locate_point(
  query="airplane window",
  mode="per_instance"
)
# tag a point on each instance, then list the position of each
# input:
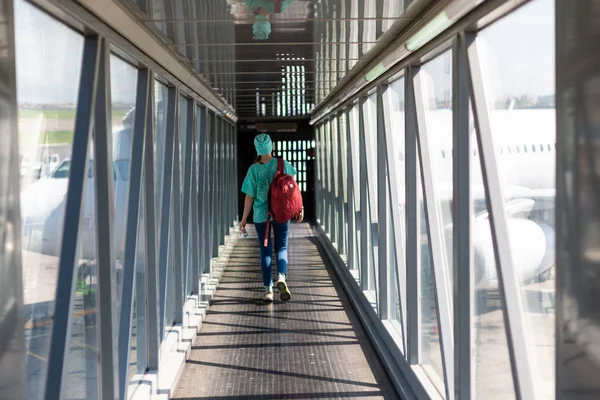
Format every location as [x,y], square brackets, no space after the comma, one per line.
[62,171]
[518,149]
[533,148]
[443,154]
[541,147]
[525,148]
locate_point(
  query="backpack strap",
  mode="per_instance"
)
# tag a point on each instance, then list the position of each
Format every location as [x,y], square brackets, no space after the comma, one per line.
[280,166]
[277,6]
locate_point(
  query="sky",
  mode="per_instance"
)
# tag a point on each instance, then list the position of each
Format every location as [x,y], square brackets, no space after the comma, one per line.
[518,53]
[48,60]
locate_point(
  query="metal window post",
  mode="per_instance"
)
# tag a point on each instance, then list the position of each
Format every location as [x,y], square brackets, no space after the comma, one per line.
[104,192]
[176,226]
[165,221]
[215,185]
[221,183]
[324,186]
[131,233]
[201,143]
[319,177]
[194,228]
[350,203]
[216,136]
[413,267]
[231,178]
[330,182]
[208,211]
[210,185]
[335,194]
[364,214]
[213,211]
[463,212]
[186,219]
[382,210]
[342,234]
[152,334]
[60,336]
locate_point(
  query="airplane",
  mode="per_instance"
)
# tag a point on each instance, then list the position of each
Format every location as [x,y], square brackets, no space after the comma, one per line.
[43,203]
[524,140]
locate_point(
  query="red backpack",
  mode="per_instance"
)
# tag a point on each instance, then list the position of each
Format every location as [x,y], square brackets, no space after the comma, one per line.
[285,199]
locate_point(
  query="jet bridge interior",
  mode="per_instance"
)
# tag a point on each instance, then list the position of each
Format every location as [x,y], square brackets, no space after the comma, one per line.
[446,155]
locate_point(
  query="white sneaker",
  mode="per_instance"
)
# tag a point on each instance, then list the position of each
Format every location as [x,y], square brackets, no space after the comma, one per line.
[267,297]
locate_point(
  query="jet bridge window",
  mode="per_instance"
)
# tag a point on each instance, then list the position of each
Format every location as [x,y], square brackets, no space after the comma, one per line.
[530,88]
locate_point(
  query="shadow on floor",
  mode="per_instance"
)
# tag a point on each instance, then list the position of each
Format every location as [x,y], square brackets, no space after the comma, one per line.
[312,347]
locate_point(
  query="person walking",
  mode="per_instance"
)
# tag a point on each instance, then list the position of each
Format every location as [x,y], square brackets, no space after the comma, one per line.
[256,187]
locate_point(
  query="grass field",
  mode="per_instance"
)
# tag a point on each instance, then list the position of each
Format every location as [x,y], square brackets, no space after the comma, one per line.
[64,113]
[56,137]
[64,130]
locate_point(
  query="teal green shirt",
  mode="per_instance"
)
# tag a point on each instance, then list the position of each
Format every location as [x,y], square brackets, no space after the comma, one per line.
[257,182]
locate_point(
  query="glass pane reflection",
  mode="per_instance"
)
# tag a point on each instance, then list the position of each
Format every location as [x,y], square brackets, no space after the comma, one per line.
[431,355]
[518,57]
[123,81]
[82,357]
[48,65]
[394,103]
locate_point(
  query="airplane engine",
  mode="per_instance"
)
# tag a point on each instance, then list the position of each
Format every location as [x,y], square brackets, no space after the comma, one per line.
[532,248]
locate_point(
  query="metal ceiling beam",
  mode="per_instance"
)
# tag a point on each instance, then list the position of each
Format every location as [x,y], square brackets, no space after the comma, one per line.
[266,60]
[277,20]
[276,81]
[265,44]
[265,89]
[270,73]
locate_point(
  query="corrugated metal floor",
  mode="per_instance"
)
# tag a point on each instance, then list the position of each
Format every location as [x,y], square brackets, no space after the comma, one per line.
[312,347]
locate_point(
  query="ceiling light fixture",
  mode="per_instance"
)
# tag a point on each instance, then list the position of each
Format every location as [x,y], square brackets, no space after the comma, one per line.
[375,72]
[433,28]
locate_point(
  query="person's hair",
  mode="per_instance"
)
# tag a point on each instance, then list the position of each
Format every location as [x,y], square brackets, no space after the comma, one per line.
[257,159]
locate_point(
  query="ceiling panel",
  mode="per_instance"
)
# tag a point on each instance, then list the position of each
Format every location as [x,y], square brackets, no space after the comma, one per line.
[267,63]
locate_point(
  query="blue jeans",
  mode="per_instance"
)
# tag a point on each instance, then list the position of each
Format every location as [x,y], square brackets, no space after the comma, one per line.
[280,231]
